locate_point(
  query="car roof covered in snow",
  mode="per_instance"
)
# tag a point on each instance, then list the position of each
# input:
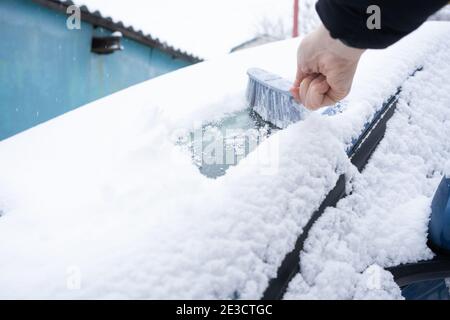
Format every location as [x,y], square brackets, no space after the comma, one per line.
[104,192]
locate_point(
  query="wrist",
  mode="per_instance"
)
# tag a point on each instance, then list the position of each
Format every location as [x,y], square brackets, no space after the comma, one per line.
[338,46]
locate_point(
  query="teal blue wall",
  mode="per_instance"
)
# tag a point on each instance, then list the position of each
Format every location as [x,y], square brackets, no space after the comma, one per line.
[47,69]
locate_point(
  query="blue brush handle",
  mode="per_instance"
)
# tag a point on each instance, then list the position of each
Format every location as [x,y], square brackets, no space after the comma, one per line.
[271,80]
[282,86]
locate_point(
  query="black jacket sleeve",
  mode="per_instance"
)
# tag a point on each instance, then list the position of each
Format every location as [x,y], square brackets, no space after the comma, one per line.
[347,20]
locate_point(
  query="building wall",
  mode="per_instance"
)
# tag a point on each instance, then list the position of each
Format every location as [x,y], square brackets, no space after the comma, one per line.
[47,69]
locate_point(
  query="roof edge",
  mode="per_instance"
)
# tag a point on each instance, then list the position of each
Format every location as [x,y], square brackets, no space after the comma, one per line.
[96,18]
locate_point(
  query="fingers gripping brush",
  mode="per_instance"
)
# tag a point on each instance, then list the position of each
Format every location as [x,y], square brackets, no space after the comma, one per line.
[268,94]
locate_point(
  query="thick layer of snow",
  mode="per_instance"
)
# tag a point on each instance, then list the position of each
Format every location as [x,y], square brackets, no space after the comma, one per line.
[202,27]
[384,221]
[100,203]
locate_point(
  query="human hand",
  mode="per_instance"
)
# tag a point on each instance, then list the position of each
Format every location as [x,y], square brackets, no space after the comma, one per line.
[325,70]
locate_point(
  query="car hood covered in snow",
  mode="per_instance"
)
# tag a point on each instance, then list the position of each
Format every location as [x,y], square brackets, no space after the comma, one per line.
[102,203]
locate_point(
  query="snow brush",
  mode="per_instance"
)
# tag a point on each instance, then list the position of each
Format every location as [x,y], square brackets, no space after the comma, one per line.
[268,94]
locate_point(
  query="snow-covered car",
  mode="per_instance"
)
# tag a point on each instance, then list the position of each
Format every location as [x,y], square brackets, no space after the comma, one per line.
[174,189]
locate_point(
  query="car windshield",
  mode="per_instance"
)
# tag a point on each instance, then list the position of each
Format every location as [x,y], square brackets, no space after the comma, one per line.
[218,145]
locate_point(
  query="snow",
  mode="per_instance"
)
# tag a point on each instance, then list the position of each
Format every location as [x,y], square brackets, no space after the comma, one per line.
[101,203]
[442,15]
[202,27]
[117,34]
[340,281]
[384,221]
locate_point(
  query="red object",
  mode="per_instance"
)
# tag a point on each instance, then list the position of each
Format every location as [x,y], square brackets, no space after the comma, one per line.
[295,26]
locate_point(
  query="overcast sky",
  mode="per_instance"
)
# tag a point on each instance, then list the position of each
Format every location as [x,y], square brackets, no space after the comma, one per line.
[206,28]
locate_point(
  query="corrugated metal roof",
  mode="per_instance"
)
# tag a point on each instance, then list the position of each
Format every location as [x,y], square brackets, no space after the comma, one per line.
[96,18]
